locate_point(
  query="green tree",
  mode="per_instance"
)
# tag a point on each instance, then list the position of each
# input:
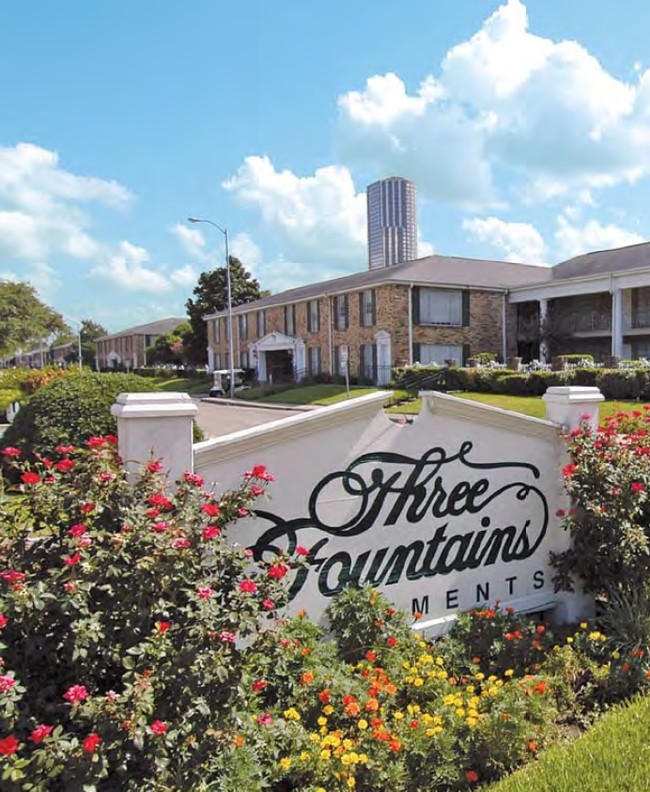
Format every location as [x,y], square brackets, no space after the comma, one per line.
[90,332]
[24,320]
[210,296]
[169,347]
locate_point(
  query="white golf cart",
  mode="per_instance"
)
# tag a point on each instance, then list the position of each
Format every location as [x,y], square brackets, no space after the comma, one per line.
[221,382]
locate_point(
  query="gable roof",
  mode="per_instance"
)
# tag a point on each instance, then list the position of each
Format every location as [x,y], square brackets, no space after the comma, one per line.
[158,327]
[601,262]
[450,271]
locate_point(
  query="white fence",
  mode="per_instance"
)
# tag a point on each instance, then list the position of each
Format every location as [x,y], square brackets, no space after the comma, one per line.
[455,509]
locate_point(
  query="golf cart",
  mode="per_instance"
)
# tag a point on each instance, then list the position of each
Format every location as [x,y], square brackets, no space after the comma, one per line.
[221,382]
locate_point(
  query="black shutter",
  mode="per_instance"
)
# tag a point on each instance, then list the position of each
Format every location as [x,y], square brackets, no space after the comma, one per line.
[374,307]
[466,353]
[415,292]
[416,353]
[360,309]
[345,309]
[317,316]
[335,363]
[466,308]
[374,363]
[362,367]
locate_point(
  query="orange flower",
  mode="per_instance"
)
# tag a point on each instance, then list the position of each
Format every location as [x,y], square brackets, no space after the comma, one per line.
[372,705]
[532,746]
[352,709]
[305,652]
[307,678]
[324,696]
[541,687]
[238,741]
[348,699]
[391,641]
[390,689]
[471,776]
[476,660]
[371,656]
[452,681]
[395,745]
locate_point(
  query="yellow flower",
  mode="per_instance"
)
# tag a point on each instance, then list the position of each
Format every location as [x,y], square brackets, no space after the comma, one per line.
[594,636]
[325,754]
[362,724]
[320,789]
[304,756]
[351,782]
[418,682]
[508,672]
[442,675]
[363,758]
[314,738]
[322,721]
[491,678]
[480,676]
[409,680]
[583,625]
[439,661]
[285,763]
[328,709]
[569,640]
[399,716]
[347,744]
[292,714]
[471,722]
[422,644]
[616,655]
[460,712]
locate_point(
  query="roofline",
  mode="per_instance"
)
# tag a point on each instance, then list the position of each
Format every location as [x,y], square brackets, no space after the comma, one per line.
[585,278]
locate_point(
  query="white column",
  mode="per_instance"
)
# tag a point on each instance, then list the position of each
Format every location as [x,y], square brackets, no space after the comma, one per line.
[382,339]
[617,323]
[210,359]
[572,405]
[158,425]
[299,358]
[543,344]
[261,366]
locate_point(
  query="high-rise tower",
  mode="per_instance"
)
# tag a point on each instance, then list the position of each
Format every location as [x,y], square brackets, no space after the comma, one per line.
[392,222]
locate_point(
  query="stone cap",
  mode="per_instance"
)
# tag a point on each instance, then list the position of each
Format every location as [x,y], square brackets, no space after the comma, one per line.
[154,405]
[573,393]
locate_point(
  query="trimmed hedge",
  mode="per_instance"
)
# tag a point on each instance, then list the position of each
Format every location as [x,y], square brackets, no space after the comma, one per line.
[70,410]
[627,383]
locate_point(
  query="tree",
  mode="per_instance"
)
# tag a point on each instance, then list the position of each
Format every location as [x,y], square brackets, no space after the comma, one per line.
[211,296]
[90,332]
[24,320]
[169,348]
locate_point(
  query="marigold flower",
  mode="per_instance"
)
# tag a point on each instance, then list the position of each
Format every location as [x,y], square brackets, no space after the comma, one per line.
[371,656]
[91,742]
[158,728]
[324,696]
[76,694]
[238,741]
[307,678]
[9,745]
[541,687]
[532,746]
[40,733]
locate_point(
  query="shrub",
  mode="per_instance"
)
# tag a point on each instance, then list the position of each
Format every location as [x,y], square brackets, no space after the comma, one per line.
[618,384]
[127,620]
[36,379]
[7,398]
[608,481]
[70,410]
[515,385]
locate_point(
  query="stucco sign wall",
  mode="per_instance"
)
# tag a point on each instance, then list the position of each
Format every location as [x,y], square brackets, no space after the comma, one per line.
[451,511]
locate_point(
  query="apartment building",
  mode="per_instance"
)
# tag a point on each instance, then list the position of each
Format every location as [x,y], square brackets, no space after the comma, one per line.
[129,347]
[429,310]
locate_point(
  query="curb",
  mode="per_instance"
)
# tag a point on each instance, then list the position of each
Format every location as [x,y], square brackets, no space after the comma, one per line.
[260,405]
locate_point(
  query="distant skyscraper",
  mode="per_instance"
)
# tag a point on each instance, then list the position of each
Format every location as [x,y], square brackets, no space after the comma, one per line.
[392,222]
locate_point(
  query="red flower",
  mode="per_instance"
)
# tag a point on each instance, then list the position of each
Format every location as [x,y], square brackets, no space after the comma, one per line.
[268,604]
[637,486]
[259,684]
[569,470]
[64,465]
[160,500]
[64,449]
[155,467]
[30,478]
[159,527]
[256,491]
[9,745]
[324,696]
[76,694]
[86,508]
[540,628]
[560,513]
[12,577]
[302,551]
[96,442]
[192,478]
[532,746]
[163,626]
[153,513]
[242,512]
[91,742]
[182,543]
[204,592]
[371,656]
[40,733]
[248,586]
[77,530]
[211,509]
[541,688]
[158,728]
[471,776]
[278,571]
[71,560]
[111,439]
[211,532]
[6,683]
[11,451]
[391,641]
[4,621]
[265,720]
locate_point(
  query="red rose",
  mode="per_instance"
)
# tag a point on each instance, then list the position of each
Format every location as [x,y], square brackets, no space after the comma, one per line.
[192,478]
[391,641]
[71,560]
[268,604]
[91,742]
[204,592]
[64,449]
[9,745]
[637,486]
[40,733]
[259,684]
[96,442]
[569,470]
[86,508]
[158,728]
[163,626]
[302,551]
[155,467]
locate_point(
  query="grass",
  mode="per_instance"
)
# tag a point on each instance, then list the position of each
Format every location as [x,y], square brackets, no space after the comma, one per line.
[613,755]
[308,394]
[186,385]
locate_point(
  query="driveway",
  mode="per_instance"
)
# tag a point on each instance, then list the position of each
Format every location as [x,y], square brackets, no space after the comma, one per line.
[220,416]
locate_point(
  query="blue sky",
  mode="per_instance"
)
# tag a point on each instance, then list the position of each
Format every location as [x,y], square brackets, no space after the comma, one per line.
[526,128]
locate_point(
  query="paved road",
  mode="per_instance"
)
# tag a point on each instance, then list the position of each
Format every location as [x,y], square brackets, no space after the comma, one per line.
[218,418]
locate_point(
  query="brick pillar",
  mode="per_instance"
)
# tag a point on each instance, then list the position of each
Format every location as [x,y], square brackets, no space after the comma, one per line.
[158,425]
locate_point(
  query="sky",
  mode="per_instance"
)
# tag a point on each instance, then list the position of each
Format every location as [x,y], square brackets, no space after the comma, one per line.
[525,127]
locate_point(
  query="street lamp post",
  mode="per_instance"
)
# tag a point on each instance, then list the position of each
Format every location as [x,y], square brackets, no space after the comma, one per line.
[224,231]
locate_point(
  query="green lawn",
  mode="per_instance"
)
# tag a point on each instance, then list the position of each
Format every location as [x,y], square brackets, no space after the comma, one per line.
[185,385]
[613,755]
[528,405]
[308,394]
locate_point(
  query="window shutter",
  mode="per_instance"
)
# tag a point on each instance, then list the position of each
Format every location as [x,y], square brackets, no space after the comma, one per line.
[362,358]
[415,292]
[317,328]
[466,308]
[335,362]
[345,312]
[416,353]
[374,363]
[374,307]
[360,309]
[466,353]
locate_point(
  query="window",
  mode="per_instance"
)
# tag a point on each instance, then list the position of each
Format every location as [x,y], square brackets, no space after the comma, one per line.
[244,360]
[341,360]
[217,330]
[341,312]
[313,316]
[438,353]
[367,308]
[313,360]
[367,362]
[243,327]
[217,361]
[290,320]
[261,324]
[439,307]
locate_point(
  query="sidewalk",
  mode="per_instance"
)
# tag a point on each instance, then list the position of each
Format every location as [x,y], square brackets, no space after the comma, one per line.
[260,405]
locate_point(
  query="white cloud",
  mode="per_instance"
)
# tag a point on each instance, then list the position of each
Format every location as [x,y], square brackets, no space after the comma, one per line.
[191,240]
[246,250]
[41,205]
[504,102]
[125,268]
[572,240]
[520,242]
[184,276]
[314,218]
